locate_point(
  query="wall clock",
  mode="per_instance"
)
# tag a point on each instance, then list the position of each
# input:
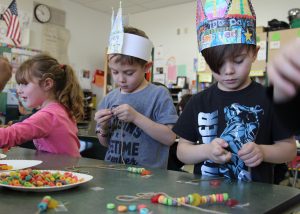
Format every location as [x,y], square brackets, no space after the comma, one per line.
[42,13]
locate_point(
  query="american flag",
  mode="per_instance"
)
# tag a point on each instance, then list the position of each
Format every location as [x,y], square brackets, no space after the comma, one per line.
[10,16]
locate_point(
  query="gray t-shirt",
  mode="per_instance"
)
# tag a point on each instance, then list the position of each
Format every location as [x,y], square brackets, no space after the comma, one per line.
[139,148]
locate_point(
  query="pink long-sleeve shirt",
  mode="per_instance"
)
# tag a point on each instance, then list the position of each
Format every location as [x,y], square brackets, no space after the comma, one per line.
[50,128]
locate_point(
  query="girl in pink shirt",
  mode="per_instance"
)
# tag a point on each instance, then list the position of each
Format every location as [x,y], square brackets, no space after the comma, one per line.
[54,88]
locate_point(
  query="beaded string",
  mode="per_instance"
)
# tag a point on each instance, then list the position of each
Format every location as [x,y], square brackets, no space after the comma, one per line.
[50,203]
[192,199]
[47,203]
[182,201]
[141,171]
[136,170]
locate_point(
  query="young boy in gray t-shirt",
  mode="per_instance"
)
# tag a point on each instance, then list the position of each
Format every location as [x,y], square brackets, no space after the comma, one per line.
[134,120]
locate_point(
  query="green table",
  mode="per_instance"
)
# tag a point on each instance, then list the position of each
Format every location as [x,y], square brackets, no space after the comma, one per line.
[263,198]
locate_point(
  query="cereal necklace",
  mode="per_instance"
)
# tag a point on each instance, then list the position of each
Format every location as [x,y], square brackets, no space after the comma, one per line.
[47,203]
[141,171]
[191,200]
[135,170]
[131,169]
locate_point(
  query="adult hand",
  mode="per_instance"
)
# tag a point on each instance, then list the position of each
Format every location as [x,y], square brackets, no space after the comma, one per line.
[284,72]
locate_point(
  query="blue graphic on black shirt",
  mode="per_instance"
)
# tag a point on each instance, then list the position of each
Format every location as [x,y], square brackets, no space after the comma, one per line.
[242,125]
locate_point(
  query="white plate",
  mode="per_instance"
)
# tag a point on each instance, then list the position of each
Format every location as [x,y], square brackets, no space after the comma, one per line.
[2,156]
[86,178]
[20,164]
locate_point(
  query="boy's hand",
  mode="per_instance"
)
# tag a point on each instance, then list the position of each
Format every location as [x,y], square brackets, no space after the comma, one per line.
[125,113]
[102,117]
[218,153]
[251,154]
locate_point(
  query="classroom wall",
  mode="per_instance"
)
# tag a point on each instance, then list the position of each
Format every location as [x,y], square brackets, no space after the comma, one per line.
[161,25]
[88,28]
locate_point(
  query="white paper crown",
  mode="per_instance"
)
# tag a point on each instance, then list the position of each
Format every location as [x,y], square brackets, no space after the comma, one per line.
[126,43]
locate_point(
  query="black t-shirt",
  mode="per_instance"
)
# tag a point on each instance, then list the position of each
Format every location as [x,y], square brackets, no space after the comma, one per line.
[238,117]
[289,114]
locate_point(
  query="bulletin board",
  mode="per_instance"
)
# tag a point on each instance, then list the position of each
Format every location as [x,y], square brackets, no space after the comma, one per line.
[16,56]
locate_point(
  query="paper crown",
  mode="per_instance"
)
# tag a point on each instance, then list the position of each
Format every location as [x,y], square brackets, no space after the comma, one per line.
[126,43]
[222,22]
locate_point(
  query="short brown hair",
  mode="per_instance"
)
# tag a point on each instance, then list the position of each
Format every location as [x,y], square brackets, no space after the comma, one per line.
[125,59]
[5,72]
[216,56]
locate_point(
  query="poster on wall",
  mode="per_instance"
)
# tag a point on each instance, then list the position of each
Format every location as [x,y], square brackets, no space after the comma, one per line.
[55,41]
[171,70]
[172,73]
[201,63]
[195,64]
[159,70]
[204,77]
[15,56]
[262,52]
[181,70]
[159,52]
[159,65]
[160,78]
[85,79]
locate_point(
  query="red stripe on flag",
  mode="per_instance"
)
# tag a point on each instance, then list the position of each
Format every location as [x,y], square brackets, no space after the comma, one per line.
[11,19]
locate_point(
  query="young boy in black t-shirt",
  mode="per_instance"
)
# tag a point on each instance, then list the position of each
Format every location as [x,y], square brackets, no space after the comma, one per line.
[233,120]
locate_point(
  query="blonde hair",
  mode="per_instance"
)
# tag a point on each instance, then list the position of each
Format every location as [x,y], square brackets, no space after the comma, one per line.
[66,87]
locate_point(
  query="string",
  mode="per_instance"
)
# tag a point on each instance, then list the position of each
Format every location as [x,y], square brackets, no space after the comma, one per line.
[122,141]
[149,195]
[136,170]
[206,179]
[77,168]
[115,118]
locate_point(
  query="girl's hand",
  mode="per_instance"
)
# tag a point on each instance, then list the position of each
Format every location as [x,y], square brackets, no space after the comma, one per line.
[102,118]
[218,153]
[251,154]
[125,113]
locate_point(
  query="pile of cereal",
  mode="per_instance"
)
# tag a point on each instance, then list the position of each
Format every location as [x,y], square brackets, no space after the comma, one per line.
[38,178]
